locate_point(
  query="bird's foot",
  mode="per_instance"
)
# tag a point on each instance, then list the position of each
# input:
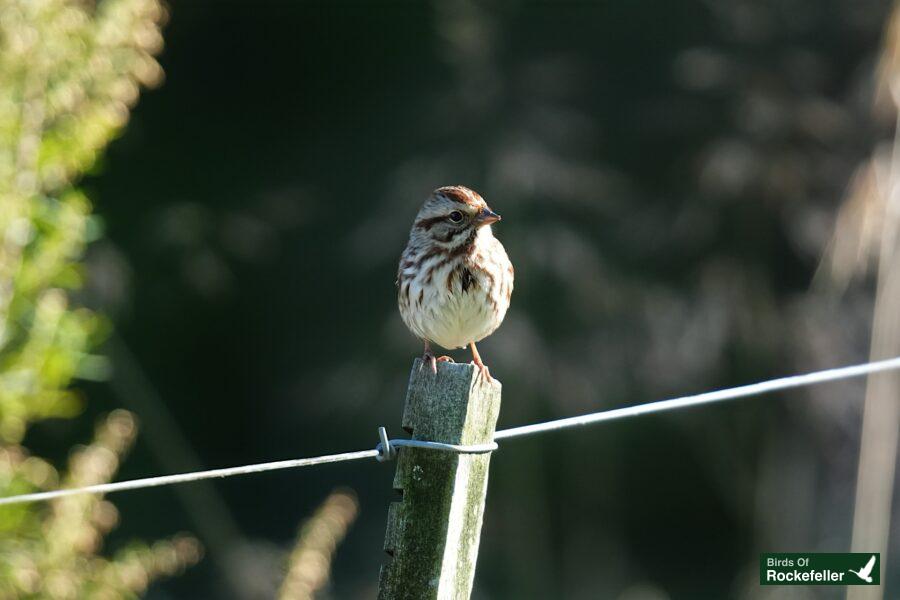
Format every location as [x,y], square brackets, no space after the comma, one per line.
[432,360]
[429,359]
[483,371]
[482,368]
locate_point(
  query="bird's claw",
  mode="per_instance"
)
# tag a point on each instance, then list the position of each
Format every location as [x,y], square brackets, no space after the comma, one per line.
[433,360]
[483,371]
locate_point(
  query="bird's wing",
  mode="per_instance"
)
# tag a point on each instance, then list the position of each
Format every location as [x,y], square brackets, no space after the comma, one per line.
[868,568]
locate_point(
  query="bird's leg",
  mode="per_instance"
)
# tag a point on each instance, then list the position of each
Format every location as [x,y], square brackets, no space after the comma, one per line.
[430,359]
[476,360]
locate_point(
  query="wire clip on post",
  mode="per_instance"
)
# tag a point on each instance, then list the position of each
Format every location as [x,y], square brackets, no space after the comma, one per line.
[387,448]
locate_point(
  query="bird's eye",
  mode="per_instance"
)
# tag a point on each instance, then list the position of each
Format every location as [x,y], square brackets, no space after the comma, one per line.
[456,216]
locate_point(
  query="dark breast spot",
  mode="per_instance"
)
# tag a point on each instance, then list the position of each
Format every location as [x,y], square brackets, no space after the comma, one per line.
[468,280]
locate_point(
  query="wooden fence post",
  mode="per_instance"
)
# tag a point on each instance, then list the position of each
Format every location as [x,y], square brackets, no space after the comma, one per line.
[433,531]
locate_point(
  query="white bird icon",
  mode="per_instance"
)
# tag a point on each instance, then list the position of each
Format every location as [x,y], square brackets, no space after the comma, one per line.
[866,572]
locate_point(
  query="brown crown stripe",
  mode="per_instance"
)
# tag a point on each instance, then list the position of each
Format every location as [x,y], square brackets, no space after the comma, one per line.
[460,194]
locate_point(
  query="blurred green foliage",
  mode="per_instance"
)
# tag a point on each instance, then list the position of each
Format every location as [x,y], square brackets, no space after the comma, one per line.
[69,73]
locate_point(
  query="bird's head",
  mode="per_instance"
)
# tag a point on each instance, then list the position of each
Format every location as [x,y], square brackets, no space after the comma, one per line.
[452,215]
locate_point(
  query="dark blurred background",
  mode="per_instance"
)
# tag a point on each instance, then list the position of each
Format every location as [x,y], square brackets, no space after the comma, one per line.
[669,175]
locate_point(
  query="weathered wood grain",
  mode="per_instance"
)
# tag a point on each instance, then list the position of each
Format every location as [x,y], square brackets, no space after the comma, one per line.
[433,531]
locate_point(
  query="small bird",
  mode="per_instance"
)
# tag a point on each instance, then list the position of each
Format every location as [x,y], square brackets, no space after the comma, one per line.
[455,279]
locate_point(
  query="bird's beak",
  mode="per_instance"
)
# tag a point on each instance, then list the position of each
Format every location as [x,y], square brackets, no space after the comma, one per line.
[486,217]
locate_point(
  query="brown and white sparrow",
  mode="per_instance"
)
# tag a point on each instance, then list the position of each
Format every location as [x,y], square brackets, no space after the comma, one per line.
[454,279]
